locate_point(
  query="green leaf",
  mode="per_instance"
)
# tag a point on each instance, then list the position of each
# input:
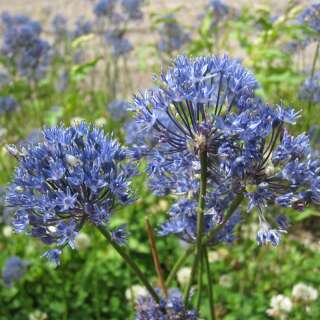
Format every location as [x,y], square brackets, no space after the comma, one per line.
[80,71]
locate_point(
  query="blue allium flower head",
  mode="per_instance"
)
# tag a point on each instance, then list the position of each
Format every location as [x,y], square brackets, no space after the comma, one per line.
[120,46]
[172,36]
[310,89]
[13,270]
[220,11]
[7,104]
[23,46]
[118,110]
[60,27]
[82,27]
[75,175]
[170,308]
[184,112]
[208,104]
[104,8]
[310,17]
[133,8]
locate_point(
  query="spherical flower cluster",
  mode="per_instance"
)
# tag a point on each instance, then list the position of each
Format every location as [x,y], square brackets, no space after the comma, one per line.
[7,104]
[310,17]
[136,291]
[183,275]
[119,44]
[172,35]
[104,8]
[133,8]
[220,11]
[310,89]
[169,308]
[75,175]
[60,27]
[13,270]
[82,241]
[108,9]
[23,46]
[304,293]
[82,27]
[38,315]
[281,306]
[226,281]
[208,104]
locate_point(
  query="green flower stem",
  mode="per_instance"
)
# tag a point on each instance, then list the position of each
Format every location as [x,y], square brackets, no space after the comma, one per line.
[200,282]
[130,263]
[205,240]
[313,69]
[200,217]
[315,58]
[210,284]
[192,276]
[178,265]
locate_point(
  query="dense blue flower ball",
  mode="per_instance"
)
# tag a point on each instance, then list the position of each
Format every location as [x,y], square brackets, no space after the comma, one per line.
[60,28]
[171,308]
[104,8]
[7,104]
[119,44]
[74,175]
[13,270]
[207,104]
[310,17]
[82,27]
[133,8]
[220,11]
[183,113]
[23,46]
[310,89]
[172,35]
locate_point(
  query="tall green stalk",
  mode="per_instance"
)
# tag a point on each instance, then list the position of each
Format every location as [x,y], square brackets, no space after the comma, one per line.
[200,282]
[200,217]
[211,234]
[178,265]
[313,70]
[210,284]
[121,251]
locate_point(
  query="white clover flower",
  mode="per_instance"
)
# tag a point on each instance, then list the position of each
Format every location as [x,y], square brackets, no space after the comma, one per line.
[82,241]
[38,315]
[135,291]
[226,281]
[304,293]
[164,205]
[184,275]
[100,122]
[219,255]
[7,231]
[281,306]
[213,256]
